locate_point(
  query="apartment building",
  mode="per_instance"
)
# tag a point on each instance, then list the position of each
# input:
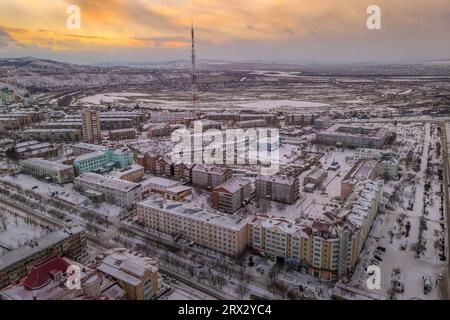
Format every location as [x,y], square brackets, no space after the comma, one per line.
[35,149]
[52,135]
[258,123]
[9,123]
[159,117]
[223,116]
[116,191]
[136,274]
[103,161]
[68,242]
[22,118]
[49,170]
[353,136]
[183,172]
[326,248]
[91,126]
[231,195]
[122,134]
[223,233]
[363,170]
[278,188]
[164,167]
[158,130]
[299,119]
[116,123]
[209,176]
[148,161]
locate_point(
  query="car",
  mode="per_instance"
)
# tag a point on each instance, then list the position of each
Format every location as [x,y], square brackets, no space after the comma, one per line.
[378,258]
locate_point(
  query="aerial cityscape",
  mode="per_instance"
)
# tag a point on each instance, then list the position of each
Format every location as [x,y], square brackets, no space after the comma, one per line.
[194,175]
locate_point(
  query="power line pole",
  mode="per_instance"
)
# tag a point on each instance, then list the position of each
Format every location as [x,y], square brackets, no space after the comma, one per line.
[195,102]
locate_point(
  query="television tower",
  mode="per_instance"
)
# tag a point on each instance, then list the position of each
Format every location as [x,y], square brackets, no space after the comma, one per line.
[195,103]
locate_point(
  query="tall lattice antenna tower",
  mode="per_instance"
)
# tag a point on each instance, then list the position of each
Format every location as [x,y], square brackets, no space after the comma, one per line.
[195,103]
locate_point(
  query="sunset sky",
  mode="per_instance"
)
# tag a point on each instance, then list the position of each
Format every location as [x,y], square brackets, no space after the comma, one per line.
[317,31]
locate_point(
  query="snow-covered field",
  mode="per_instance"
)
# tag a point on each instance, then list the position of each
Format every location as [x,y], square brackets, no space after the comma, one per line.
[277,104]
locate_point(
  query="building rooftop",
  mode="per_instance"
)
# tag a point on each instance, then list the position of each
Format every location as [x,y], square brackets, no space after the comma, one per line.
[233,185]
[212,169]
[37,246]
[167,183]
[361,170]
[282,179]
[209,216]
[109,182]
[50,165]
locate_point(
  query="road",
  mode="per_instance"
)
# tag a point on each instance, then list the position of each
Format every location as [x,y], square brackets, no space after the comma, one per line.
[445,134]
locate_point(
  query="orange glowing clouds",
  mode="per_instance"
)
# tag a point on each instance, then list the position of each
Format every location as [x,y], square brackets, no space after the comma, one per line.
[165,23]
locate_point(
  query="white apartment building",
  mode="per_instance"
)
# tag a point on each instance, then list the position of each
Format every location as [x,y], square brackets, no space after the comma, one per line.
[119,192]
[208,228]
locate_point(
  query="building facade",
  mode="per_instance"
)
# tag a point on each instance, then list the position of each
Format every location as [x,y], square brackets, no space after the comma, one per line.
[44,169]
[119,192]
[231,195]
[209,176]
[92,132]
[222,233]
[68,242]
[278,188]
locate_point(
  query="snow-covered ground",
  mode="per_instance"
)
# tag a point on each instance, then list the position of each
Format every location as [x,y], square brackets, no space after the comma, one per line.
[276,104]
[399,231]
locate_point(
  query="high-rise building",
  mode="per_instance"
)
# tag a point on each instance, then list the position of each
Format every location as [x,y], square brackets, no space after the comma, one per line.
[91,126]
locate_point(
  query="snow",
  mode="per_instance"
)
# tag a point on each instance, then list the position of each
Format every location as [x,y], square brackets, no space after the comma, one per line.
[270,104]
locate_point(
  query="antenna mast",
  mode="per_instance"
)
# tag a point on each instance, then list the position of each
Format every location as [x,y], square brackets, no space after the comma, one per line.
[194,73]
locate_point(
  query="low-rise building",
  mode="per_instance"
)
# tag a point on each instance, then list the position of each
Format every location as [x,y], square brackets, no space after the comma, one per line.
[177,193]
[231,195]
[223,233]
[50,170]
[133,173]
[278,188]
[119,192]
[157,185]
[314,178]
